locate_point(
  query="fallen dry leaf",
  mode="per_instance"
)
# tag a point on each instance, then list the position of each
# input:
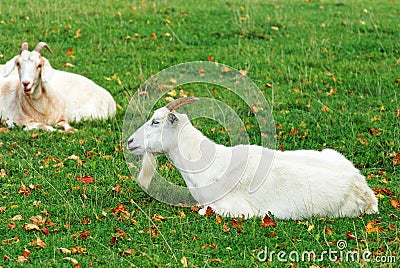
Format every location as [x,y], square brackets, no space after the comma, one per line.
[30,226]
[85,179]
[371,227]
[23,190]
[65,251]
[194,208]
[236,223]
[373,131]
[24,256]
[128,252]
[184,262]
[209,212]
[118,188]
[78,33]
[10,241]
[158,218]
[267,222]
[74,261]
[395,203]
[78,250]
[17,218]
[216,260]
[11,225]
[328,231]
[84,234]
[225,228]
[396,160]
[391,227]
[38,243]
[350,236]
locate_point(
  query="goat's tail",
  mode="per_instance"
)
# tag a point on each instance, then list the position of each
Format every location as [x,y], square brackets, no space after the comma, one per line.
[148,170]
[361,199]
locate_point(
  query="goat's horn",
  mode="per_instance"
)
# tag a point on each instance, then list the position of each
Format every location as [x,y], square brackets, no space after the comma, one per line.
[24,46]
[39,47]
[173,105]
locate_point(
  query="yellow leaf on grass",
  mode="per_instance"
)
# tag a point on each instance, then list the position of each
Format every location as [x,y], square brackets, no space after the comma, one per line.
[78,33]
[30,226]
[184,262]
[65,251]
[74,261]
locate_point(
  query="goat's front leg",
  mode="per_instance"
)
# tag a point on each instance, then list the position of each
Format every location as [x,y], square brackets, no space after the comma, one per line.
[63,124]
[36,125]
[10,123]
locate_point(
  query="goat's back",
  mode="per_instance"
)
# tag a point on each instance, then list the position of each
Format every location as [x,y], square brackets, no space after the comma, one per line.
[84,99]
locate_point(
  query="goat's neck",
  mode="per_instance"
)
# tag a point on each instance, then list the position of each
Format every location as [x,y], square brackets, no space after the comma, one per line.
[38,102]
[192,153]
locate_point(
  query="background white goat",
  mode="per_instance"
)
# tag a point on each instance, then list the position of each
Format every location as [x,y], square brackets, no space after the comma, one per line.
[251,180]
[31,102]
[83,99]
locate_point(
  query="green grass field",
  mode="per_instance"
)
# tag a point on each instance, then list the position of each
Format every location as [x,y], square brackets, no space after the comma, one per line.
[334,68]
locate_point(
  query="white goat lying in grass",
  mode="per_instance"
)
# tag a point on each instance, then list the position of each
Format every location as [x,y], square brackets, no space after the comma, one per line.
[251,180]
[31,102]
[44,97]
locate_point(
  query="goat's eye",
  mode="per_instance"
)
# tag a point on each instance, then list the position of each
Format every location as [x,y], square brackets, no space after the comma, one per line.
[17,64]
[39,66]
[154,122]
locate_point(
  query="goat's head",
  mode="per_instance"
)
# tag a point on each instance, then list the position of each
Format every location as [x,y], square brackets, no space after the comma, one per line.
[32,67]
[160,133]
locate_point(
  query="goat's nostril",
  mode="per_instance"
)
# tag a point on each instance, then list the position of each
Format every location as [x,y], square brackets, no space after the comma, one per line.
[26,83]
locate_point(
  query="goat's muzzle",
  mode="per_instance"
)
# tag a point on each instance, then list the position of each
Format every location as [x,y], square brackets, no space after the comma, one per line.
[131,146]
[25,86]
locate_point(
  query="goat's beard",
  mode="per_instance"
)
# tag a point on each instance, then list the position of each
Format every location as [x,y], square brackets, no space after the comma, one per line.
[148,170]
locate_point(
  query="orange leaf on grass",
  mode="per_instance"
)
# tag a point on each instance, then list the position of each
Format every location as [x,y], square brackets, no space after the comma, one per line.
[374,131]
[396,160]
[371,227]
[85,179]
[392,227]
[267,222]
[328,231]
[118,188]
[236,223]
[350,236]
[218,219]
[38,243]
[225,228]
[395,203]
[209,211]
[84,234]
[23,190]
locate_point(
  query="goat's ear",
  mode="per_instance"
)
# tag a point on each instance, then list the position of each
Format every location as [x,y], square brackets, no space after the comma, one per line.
[9,67]
[172,118]
[47,71]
